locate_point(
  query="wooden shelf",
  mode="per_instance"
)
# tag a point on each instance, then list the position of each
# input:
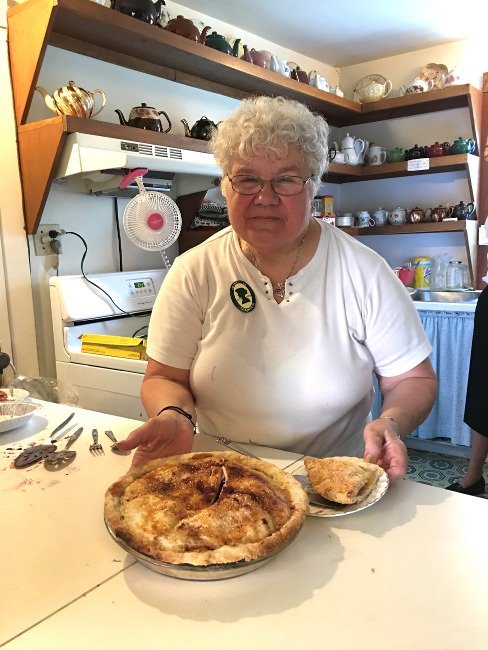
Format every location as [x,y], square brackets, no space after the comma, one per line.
[440,164]
[93,30]
[409,228]
[96,31]
[469,229]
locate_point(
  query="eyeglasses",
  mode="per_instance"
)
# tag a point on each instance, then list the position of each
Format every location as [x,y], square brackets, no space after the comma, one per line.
[284,185]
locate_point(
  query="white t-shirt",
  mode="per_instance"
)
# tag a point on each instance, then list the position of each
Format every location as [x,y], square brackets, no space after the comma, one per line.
[295,375]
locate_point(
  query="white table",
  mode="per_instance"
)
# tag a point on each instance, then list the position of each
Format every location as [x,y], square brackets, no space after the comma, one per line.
[409,573]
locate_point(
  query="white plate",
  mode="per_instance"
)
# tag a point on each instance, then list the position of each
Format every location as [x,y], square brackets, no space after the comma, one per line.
[15,414]
[341,511]
[17,395]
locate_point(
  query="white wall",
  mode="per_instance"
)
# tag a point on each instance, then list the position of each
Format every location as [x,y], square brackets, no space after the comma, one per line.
[17,330]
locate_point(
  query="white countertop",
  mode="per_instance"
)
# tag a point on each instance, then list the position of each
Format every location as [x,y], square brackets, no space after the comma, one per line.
[409,572]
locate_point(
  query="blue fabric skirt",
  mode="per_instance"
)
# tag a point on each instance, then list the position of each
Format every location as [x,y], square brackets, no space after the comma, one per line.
[450,334]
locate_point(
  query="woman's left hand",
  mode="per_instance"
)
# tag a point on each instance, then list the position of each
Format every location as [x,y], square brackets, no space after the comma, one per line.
[383,446]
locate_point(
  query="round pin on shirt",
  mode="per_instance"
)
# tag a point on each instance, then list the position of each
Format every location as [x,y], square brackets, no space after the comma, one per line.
[242,296]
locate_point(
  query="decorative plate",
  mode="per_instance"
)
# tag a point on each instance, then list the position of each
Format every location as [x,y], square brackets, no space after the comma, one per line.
[339,510]
[435,71]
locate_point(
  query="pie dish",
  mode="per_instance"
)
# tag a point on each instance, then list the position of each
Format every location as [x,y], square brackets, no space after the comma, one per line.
[205,512]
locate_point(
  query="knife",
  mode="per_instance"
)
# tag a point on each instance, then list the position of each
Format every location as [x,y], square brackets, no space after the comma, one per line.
[61,426]
[74,437]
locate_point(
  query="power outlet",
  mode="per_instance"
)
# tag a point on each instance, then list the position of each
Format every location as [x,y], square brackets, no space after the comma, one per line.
[43,247]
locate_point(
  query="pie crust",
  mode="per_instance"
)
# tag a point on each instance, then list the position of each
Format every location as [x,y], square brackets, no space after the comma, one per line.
[342,479]
[206,508]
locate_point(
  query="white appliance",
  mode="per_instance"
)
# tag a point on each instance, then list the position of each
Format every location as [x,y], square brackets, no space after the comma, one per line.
[101,163]
[105,384]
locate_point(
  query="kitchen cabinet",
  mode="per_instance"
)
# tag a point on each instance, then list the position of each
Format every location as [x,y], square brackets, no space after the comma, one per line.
[93,30]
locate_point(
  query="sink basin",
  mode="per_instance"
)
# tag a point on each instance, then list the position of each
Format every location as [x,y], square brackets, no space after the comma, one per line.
[446,296]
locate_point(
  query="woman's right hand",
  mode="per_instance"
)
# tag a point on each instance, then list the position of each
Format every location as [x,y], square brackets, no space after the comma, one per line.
[167,434]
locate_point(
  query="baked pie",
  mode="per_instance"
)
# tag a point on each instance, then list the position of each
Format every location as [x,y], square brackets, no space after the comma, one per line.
[342,479]
[205,508]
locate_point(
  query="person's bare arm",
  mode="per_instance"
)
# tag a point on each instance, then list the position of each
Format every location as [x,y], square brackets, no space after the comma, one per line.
[408,399]
[169,432]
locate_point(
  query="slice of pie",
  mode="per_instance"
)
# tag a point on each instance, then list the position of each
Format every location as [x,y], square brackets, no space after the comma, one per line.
[341,478]
[205,508]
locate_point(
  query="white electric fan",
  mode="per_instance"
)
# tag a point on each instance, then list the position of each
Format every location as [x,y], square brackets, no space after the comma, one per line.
[152,221]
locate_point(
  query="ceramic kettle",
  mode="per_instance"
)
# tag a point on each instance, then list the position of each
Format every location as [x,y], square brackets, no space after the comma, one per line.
[201,130]
[218,42]
[416,215]
[145,10]
[463,210]
[186,28]
[72,100]
[463,145]
[145,117]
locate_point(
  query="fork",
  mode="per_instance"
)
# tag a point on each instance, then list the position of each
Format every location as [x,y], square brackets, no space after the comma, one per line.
[96,448]
[235,447]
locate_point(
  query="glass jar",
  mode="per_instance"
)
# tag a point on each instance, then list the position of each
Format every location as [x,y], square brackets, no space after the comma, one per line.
[454,275]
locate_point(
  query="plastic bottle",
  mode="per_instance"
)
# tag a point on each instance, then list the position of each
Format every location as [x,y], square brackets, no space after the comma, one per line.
[422,278]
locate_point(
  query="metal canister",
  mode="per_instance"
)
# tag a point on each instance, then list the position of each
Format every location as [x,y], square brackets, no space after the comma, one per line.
[422,278]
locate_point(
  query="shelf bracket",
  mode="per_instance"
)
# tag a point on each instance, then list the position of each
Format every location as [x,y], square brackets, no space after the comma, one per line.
[40,146]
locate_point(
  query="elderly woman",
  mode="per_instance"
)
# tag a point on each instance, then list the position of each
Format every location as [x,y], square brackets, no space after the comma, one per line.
[270,330]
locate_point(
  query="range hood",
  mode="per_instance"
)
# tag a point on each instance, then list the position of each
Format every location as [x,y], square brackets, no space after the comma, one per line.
[102,162]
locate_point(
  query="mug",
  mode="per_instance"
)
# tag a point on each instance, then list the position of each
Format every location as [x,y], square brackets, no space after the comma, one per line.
[364,219]
[376,155]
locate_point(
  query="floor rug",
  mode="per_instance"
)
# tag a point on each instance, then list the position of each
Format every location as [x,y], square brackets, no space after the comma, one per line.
[438,470]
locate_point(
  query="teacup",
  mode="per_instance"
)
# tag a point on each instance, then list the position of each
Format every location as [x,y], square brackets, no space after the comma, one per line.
[341,158]
[418,86]
[363,219]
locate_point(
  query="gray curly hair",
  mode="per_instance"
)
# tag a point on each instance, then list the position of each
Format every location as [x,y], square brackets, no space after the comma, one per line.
[269,124]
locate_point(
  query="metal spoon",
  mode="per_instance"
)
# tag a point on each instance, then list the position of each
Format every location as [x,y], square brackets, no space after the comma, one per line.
[315,498]
[114,447]
[59,459]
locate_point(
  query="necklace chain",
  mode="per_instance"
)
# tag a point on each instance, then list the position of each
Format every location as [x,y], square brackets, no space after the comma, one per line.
[279,287]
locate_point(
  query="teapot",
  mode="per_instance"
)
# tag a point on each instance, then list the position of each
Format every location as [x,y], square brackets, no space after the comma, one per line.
[463,210]
[440,213]
[279,65]
[397,216]
[353,147]
[202,129]
[335,90]
[373,91]
[462,145]
[437,149]
[414,153]
[396,155]
[254,56]
[416,215]
[186,28]
[218,42]
[144,117]
[381,216]
[317,81]
[145,10]
[299,74]
[72,100]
